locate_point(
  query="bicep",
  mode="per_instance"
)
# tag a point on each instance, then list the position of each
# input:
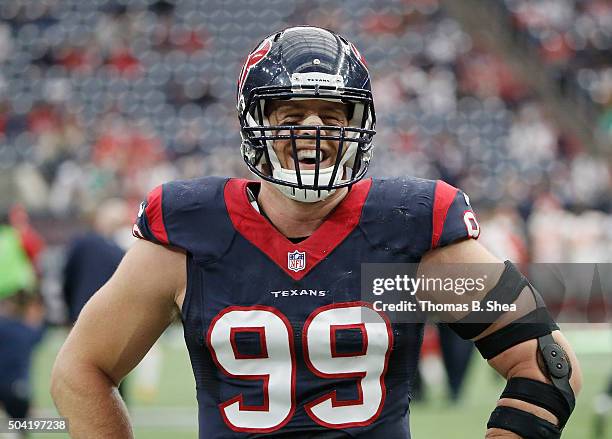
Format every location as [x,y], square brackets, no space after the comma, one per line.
[123,319]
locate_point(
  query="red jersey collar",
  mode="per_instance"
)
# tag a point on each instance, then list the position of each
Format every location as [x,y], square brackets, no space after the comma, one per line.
[295,259]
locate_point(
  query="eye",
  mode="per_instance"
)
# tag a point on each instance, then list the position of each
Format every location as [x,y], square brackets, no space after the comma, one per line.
[334,120]
[290,119]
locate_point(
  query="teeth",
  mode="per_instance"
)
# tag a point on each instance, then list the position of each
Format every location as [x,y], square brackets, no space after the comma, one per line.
[307,154]
[310,154]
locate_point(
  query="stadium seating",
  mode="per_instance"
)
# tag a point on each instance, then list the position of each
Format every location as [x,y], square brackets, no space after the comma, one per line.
[110,97]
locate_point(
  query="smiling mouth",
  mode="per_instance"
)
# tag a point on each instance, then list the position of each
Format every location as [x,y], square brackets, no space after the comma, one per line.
[308,157]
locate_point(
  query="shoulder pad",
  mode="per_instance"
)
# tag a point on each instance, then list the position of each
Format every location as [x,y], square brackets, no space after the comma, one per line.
[397,215]
[452,216]
[412,215]
[188,214]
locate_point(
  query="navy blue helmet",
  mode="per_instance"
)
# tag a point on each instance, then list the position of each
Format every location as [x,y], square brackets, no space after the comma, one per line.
[306,62]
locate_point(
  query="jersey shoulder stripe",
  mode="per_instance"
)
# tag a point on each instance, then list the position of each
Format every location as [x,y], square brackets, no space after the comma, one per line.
[452,216]
[155,215]
[444,195]
[187,214]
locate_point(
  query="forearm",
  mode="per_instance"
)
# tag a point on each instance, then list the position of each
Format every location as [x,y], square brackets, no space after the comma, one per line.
[107,341]
[523,344]
[496,433]
[520,362]
[91,402]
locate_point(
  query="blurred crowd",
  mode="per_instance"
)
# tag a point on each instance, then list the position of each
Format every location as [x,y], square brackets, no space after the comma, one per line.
[107,98]
[574,40]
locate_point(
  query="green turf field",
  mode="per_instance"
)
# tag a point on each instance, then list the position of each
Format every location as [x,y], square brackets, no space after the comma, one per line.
[172,413]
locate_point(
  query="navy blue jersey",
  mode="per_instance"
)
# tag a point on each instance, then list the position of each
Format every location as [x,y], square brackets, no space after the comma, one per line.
[17,343]
[90,262]
[279,341]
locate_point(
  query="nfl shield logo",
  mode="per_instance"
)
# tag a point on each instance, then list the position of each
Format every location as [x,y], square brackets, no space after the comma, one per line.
[296,261]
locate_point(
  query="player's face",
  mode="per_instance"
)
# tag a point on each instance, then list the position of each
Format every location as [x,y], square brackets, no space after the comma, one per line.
[307,112]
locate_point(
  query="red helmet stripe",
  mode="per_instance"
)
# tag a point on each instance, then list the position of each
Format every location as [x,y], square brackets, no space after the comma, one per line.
[253,59]
[359,56]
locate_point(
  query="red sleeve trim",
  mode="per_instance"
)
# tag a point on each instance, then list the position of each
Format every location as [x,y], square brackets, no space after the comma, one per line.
[155,215]
[444,195]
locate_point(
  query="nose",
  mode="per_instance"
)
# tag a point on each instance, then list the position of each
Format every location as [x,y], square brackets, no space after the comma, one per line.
[309,119]
[312,119]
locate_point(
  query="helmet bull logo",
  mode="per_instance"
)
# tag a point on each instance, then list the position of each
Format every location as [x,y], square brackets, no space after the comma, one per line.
[253,59]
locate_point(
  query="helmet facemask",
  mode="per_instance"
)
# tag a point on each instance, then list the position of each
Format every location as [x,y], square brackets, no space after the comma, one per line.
[354,148]
[306,63]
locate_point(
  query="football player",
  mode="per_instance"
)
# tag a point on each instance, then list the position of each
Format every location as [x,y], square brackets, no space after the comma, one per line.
[265,276]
